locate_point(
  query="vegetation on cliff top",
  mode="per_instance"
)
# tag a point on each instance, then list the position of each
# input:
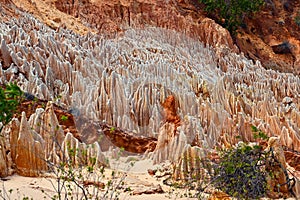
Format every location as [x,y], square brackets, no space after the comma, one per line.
[231,13]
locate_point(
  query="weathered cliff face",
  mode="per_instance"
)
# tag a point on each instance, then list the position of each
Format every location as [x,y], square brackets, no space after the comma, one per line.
[275,25]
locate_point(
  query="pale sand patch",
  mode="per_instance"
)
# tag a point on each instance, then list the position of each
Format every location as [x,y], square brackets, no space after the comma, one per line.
[137,179]
[26,187]
[33,187]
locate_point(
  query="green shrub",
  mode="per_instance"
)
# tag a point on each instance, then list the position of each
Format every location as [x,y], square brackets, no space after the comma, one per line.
[10,97]
[241,172]
[231,13]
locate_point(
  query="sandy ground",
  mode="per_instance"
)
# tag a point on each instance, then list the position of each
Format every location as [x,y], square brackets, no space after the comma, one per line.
[137,178]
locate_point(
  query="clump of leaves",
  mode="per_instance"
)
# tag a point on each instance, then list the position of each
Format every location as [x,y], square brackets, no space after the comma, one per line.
[10,97]
[258,134]
[231,13]
[297,19]
[241,172]
[64,118]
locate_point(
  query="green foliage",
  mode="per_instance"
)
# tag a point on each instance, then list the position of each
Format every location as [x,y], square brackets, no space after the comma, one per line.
[64,118]
[112,129]
[10,97]
[258,134]
[297,19]
[241,172]
[231,13]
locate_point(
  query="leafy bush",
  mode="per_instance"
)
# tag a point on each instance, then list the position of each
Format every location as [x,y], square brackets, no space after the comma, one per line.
[241,173]
[10,97]
[231,13]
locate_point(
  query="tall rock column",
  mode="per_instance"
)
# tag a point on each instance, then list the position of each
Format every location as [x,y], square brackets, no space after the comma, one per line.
[46,124]
[3,159]
[30,154]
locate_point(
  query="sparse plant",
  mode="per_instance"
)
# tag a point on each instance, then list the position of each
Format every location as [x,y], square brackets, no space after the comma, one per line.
[10,193]
[258,134]
[112,129]
[86,181]
[64,118]
[184,191]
